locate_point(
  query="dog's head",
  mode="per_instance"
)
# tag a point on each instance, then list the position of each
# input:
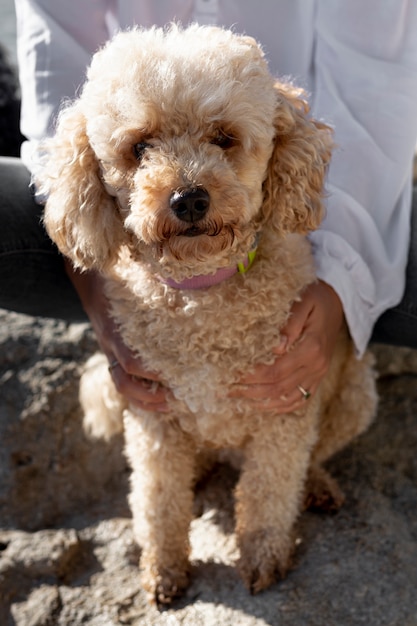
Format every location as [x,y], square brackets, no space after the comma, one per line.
[181,147]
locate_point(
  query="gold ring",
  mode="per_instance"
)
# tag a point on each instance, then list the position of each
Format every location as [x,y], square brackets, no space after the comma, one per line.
[113,364]
[306,394]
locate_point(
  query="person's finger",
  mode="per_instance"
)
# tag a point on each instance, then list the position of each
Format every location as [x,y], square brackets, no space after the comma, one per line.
[280,405]
[270,395]
[143,392]
[295,326]
[261,374]
[133,365]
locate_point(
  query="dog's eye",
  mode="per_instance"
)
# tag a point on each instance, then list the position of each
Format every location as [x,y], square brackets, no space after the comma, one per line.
[139,149]
[223,140]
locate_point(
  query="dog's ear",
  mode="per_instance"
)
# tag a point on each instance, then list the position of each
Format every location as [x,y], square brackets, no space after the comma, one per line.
[293,188]
[80,216]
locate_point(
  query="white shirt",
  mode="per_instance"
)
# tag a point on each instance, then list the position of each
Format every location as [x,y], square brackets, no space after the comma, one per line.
[358,61]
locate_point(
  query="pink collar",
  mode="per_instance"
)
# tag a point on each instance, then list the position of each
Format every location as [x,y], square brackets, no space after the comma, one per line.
[202,281]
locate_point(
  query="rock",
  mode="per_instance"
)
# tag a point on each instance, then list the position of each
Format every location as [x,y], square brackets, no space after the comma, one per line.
[67,554]
[394,361]
[41,608]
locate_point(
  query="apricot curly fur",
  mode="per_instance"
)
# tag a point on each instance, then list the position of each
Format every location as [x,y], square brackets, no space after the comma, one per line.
[173,110]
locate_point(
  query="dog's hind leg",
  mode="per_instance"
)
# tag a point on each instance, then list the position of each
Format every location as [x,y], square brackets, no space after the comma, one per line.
[350,408]
[162,458]
[348,412]
[269,496]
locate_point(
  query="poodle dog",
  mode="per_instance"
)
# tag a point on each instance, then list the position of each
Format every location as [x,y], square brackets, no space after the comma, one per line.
[189,177]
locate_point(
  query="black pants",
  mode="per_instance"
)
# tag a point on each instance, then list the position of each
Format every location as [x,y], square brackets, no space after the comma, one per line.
[33,278]
[32,275]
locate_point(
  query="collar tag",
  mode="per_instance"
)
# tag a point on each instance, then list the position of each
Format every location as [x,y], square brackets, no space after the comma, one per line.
[244,267]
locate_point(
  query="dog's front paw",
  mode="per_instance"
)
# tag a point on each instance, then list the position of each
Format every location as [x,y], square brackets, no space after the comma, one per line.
[164,587]
[262,560]
[257,577]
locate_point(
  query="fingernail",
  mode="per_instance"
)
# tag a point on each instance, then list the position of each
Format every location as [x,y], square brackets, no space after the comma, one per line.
[282,344]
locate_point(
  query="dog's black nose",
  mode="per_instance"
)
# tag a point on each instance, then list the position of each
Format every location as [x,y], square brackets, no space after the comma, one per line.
[190,205]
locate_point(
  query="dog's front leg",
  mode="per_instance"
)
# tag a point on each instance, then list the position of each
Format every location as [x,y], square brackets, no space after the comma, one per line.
[269,497]
[162,458]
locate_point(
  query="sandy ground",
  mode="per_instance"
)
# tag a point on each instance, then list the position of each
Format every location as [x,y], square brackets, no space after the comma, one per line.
[67,555]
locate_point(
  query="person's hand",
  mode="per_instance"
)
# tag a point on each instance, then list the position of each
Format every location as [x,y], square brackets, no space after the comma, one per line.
[139,386]
[309,339]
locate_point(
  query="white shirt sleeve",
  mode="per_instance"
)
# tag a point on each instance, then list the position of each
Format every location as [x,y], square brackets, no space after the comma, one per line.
[365,84]
[54,47]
